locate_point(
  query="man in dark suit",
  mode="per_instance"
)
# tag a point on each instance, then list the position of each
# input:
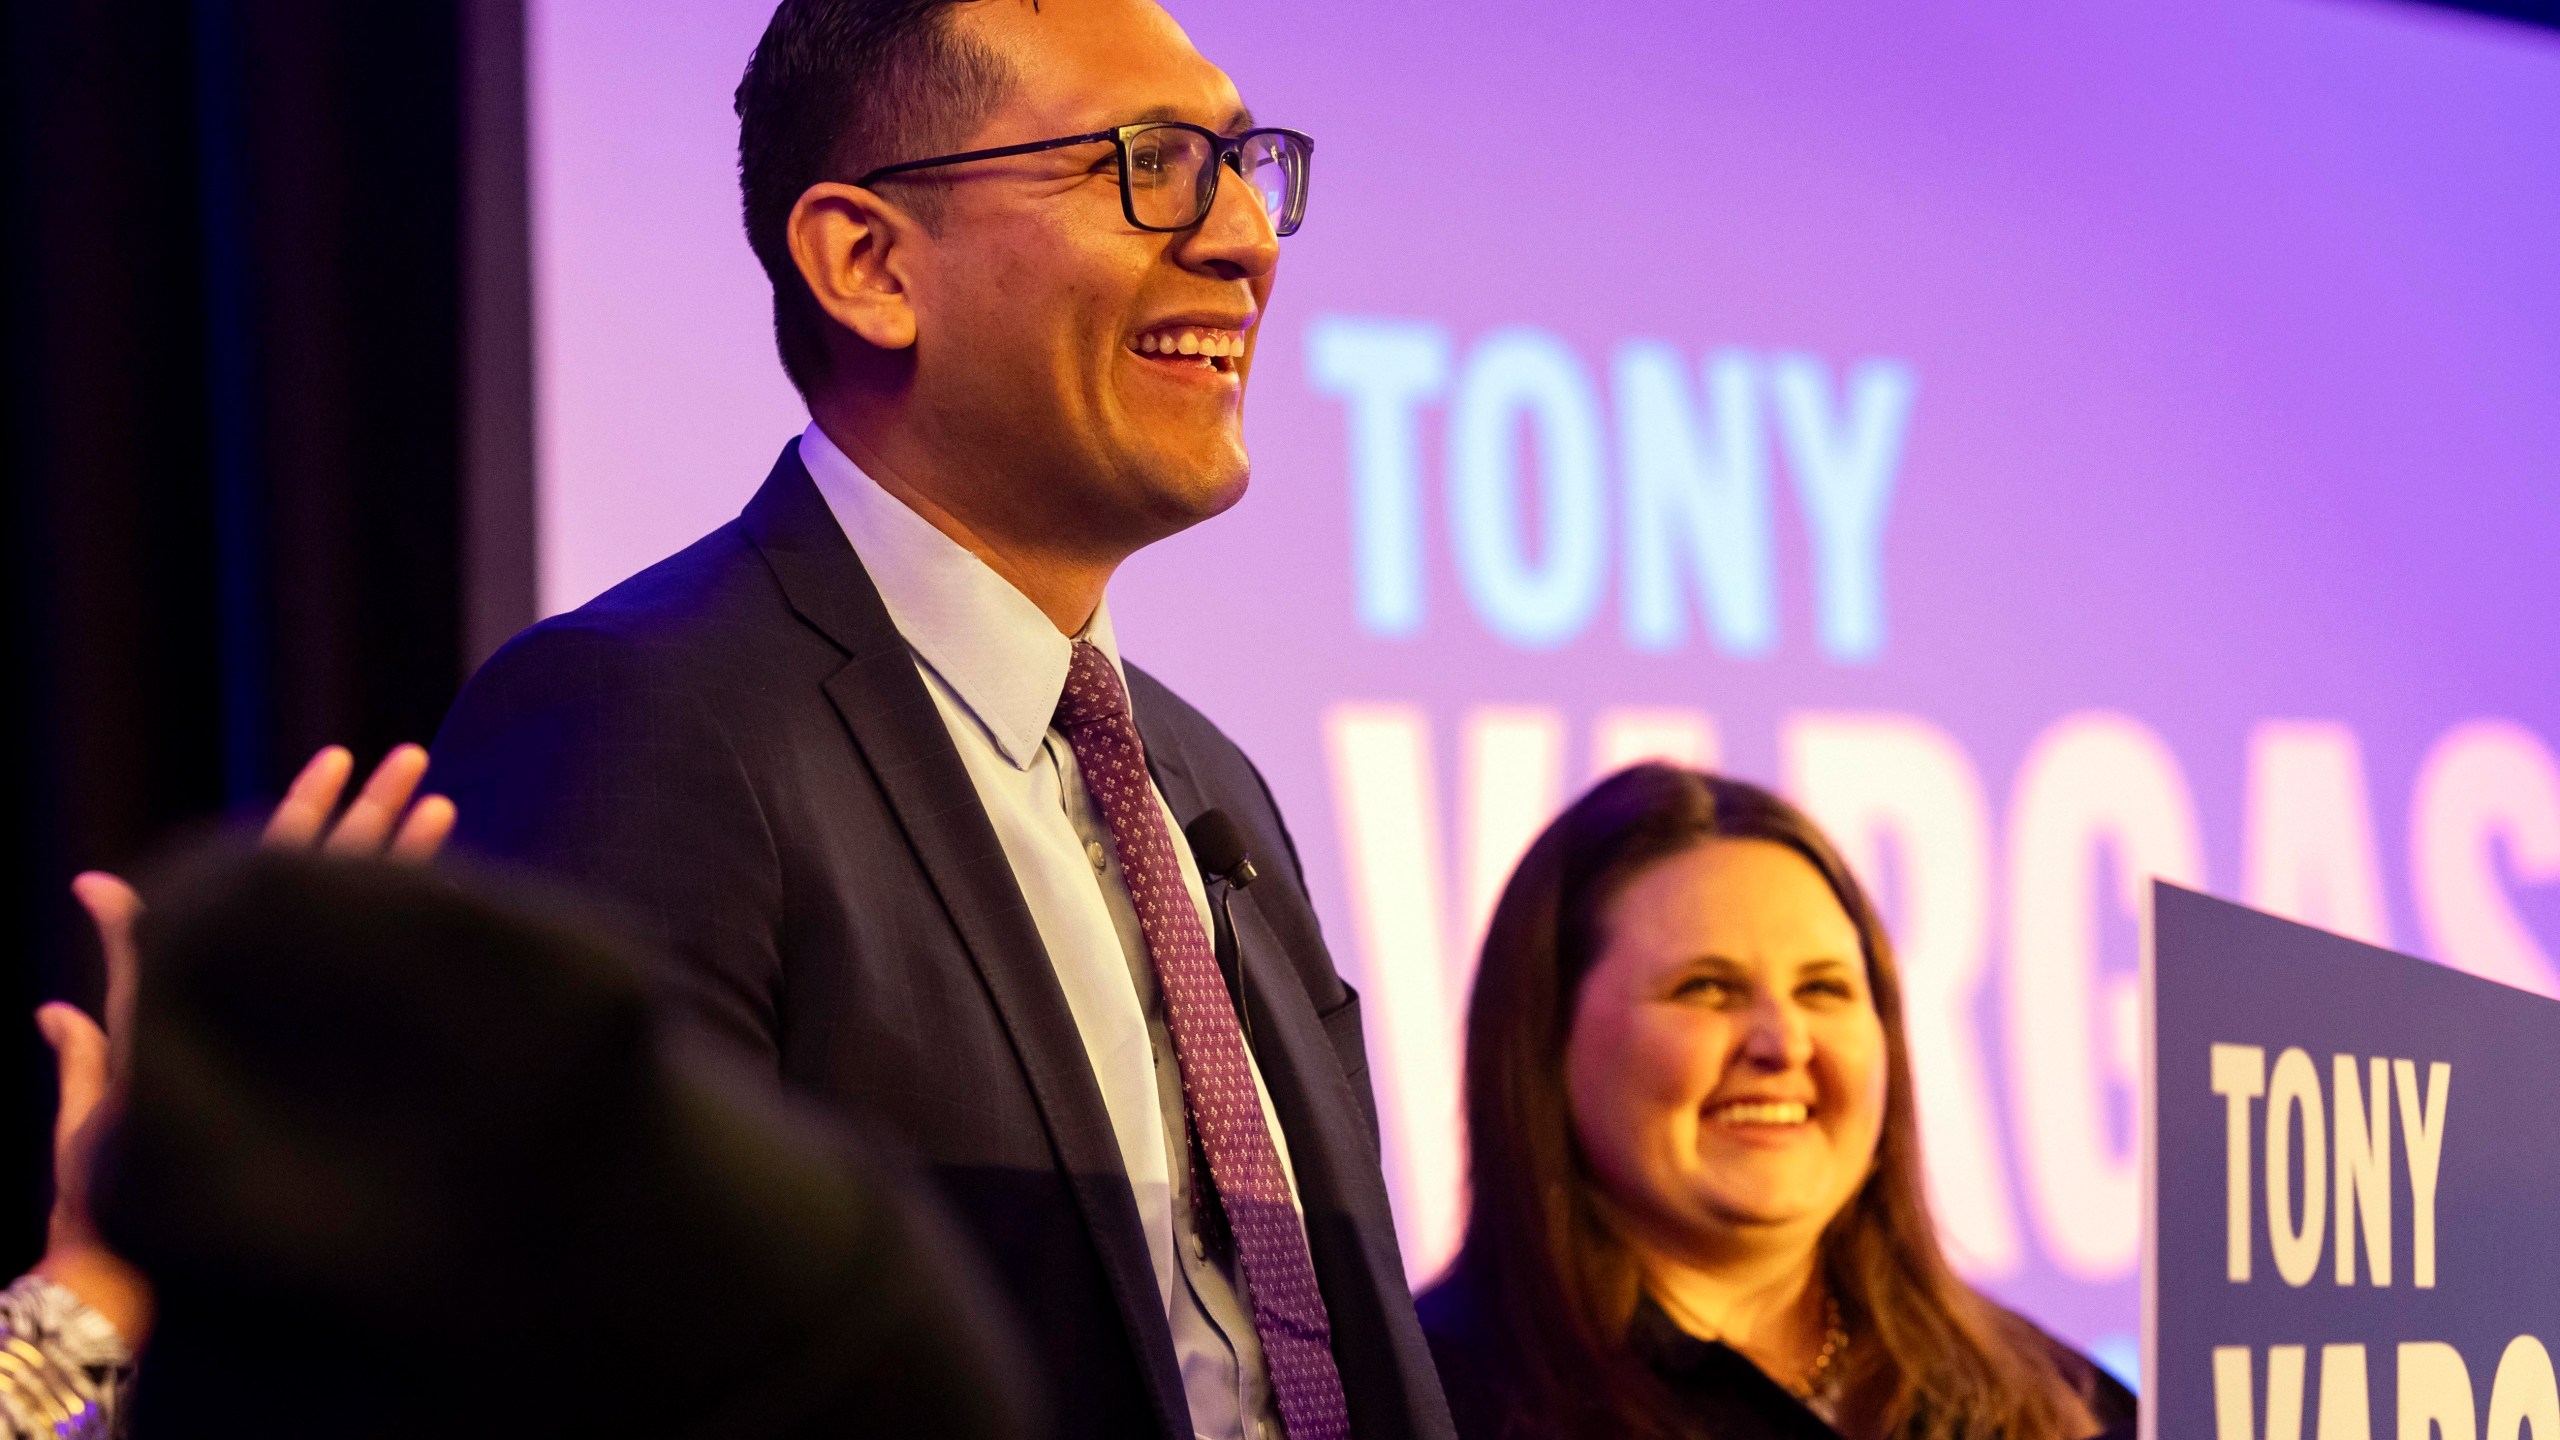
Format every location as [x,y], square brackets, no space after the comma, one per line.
[865,762]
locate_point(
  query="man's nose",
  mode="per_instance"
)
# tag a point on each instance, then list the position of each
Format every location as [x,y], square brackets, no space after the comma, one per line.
[1235,240]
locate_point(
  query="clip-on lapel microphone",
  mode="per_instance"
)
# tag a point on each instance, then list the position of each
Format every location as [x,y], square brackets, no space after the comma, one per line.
[1217,846]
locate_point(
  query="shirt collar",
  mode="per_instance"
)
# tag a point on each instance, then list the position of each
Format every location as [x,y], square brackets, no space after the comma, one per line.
[996,650]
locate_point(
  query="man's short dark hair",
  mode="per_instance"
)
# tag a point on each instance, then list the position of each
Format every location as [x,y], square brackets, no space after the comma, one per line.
[835,89]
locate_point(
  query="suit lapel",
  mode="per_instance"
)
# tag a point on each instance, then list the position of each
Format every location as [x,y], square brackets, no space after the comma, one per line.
[1166,760]
[1331,1146]
[1172,772]
[1350,1233]
[1272,992]
[901,736]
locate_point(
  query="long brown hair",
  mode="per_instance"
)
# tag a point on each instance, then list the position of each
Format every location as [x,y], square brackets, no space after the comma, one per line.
[1557,1287]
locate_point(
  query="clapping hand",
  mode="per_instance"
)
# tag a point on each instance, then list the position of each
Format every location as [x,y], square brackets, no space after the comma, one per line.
[381,821]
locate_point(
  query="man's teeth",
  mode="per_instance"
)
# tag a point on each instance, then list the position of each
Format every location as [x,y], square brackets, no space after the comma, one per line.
[1773,1112]
[1192,340]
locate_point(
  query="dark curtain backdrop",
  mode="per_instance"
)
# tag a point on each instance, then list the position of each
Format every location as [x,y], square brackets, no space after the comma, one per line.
[239,510]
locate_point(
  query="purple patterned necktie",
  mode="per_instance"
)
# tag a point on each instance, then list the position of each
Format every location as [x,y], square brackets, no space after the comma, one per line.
[1208,1048]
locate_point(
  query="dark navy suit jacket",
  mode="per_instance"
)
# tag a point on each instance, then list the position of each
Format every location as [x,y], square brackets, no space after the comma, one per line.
[736,747]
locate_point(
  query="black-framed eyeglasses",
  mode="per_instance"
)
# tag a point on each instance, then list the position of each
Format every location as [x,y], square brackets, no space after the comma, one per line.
[1169,170]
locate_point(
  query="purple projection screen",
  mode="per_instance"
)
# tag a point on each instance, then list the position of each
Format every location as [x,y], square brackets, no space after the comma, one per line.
[2058,445]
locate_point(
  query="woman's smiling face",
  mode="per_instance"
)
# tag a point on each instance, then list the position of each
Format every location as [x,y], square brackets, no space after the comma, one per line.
[1726,1067]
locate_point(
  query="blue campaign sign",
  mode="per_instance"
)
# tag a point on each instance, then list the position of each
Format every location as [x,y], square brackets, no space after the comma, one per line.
[2354,1161]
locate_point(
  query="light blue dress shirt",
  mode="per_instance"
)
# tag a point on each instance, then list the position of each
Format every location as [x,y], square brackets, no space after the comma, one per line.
[995,666]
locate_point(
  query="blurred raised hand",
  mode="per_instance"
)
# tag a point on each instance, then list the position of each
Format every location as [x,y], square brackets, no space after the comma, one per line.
[387,818]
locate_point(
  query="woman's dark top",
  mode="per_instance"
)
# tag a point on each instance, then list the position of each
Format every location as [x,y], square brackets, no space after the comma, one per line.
[1727,1396]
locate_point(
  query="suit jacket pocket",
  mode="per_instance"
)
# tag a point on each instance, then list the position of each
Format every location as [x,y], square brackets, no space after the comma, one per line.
[1350,1048]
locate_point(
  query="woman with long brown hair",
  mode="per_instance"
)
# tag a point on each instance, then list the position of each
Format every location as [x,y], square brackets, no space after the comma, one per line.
[1697,1204]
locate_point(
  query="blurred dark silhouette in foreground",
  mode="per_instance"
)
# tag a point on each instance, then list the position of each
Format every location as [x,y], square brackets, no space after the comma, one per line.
[407,1155]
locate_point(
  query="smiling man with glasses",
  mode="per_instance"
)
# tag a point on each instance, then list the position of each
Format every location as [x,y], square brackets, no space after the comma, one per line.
[866,763]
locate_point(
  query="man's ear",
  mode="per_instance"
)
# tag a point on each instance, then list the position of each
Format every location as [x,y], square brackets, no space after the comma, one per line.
[846,241]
